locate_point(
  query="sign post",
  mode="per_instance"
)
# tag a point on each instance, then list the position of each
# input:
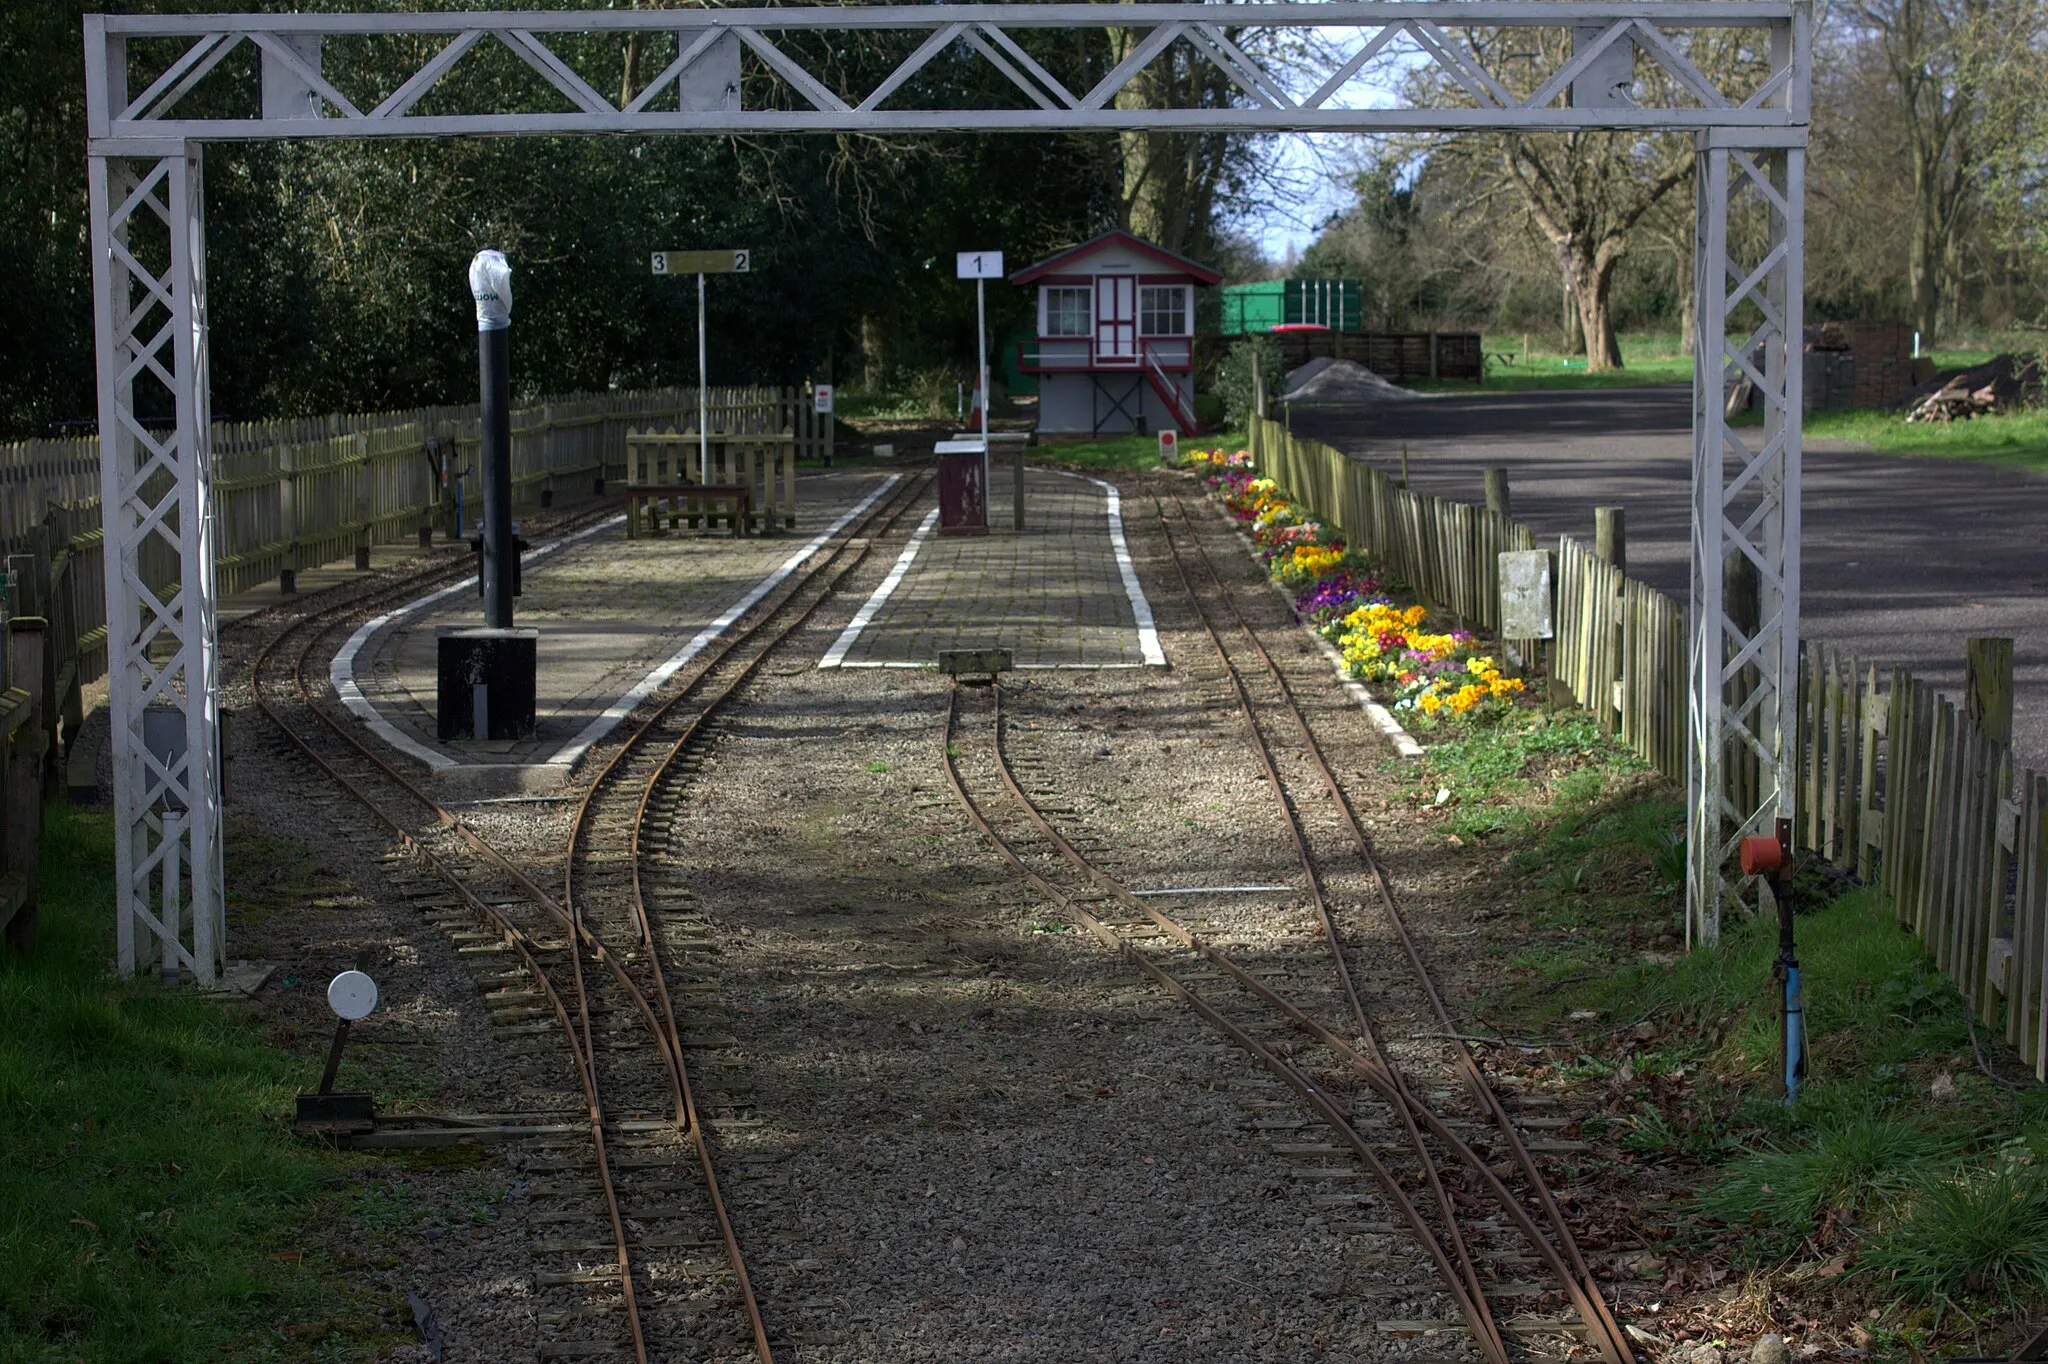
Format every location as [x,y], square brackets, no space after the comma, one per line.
[736,262]
[490,281]
[821,403]
[981,267]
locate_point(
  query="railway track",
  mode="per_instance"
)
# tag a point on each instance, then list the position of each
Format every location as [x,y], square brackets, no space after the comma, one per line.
[1452,1169]
[640,1257]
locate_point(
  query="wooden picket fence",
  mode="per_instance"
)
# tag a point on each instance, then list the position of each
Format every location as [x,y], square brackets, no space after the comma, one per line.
[1892,780]
[1620,647]
[296,493]
[1898,783]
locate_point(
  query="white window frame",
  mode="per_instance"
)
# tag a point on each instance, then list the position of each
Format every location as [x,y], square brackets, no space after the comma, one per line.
[1148,309]
[1085,329]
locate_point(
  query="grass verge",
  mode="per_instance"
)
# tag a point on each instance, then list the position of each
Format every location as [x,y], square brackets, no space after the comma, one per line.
[1123,454]
[2018,439]
[1900,1209]
[153,1204]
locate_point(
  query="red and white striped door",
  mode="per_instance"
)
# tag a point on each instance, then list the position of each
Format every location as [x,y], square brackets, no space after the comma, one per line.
[1116,320]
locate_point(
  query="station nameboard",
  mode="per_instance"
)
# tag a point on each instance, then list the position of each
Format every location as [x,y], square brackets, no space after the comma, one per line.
[703,262]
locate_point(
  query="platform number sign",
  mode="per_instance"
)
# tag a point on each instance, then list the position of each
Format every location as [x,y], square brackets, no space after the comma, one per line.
[731,262]
[980,265]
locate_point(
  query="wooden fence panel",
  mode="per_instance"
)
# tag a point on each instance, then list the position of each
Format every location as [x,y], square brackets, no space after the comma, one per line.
[292,493]
[1891,780]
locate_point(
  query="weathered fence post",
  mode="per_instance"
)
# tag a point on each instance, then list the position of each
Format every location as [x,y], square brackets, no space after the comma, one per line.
[288,514]
[22,808]
[1610,536]
[1987,686]
[1497,491]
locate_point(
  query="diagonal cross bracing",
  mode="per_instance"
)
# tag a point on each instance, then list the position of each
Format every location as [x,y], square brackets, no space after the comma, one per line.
[150,321]
[1744,672]
[777,39]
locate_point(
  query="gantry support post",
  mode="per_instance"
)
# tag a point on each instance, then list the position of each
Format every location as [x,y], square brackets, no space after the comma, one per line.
[149,313]
[1742,767]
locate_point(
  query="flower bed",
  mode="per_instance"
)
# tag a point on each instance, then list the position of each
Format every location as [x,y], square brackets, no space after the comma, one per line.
[1435,675]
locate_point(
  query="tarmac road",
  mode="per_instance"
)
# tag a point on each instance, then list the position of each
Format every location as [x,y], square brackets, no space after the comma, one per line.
[1903,558]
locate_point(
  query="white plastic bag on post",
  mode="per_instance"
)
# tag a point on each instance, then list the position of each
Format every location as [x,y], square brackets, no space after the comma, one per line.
[490,282]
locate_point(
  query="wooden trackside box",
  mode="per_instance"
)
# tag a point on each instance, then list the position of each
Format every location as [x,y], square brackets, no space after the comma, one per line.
[974,662]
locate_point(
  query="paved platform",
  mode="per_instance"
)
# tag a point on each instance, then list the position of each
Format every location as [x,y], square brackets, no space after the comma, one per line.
[616,617]
[1062,593]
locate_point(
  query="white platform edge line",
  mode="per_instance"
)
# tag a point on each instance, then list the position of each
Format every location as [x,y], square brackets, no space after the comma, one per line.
[1015,667]
[569,753]
[341,673]
[1141,609]
[835,657]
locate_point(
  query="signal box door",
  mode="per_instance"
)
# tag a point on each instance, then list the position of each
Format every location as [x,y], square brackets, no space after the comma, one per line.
[1116,320]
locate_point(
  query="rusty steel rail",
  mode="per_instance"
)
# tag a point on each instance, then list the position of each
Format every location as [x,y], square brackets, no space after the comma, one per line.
[1585,1291]
[1553,1243]
[571,1009]
[617,774]
[1473,1308]
[1373,1069]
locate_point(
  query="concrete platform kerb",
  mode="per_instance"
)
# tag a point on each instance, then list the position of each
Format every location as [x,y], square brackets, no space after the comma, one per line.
[990,590]
[557,765]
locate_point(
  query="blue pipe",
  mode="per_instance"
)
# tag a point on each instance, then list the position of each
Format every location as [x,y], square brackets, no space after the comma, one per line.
[1795,1035]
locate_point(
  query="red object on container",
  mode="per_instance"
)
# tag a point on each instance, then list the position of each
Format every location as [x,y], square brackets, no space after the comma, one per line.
[1761,856]
[1299,327]
[963,493]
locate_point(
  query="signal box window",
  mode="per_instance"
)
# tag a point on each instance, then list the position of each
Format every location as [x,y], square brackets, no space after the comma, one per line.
[1067,312]
[1163,311]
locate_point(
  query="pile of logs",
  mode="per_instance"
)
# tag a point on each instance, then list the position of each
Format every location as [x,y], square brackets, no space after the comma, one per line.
[1955,401]
[2004,383]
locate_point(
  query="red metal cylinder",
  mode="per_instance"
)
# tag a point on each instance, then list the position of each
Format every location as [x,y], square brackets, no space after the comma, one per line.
[963,493]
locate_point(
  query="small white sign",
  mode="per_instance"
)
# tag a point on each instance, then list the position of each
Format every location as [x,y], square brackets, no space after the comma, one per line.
[352,995]
[1527,599]
[1169,445]
[821,399]
[980,265]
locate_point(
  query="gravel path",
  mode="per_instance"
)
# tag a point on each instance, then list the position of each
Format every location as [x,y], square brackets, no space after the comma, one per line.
[973,1133]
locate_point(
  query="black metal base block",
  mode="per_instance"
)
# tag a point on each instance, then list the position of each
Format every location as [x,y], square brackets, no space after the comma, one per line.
[488,670]
[335,1115]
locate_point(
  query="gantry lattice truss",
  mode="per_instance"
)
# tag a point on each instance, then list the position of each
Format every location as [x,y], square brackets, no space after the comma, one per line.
[158,86]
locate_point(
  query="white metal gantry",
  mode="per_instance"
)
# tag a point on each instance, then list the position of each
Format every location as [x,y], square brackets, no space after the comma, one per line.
[309,76]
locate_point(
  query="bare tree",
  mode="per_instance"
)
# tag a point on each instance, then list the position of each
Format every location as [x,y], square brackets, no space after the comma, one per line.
[1586,193]
[1927,53]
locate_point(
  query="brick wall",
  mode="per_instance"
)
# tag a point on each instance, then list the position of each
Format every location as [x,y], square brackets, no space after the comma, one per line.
[1884,360]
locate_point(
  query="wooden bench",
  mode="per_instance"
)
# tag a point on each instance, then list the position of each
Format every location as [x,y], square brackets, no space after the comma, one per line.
[689,500]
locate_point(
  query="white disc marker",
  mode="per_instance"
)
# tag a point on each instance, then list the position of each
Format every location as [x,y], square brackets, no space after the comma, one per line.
[352,995]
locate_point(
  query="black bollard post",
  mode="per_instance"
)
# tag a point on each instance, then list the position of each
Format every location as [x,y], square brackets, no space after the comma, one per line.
[490,281]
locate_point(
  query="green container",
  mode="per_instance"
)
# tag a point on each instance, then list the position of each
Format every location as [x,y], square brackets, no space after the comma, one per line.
[1333,303]
[1003,361]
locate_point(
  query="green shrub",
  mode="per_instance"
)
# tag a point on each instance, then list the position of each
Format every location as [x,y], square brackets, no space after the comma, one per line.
[1234,378]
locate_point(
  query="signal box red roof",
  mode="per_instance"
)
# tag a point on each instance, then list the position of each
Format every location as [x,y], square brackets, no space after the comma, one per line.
[1200,273]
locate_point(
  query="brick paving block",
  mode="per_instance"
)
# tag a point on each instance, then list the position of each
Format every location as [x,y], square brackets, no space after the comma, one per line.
[609,611]
[1054,594]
